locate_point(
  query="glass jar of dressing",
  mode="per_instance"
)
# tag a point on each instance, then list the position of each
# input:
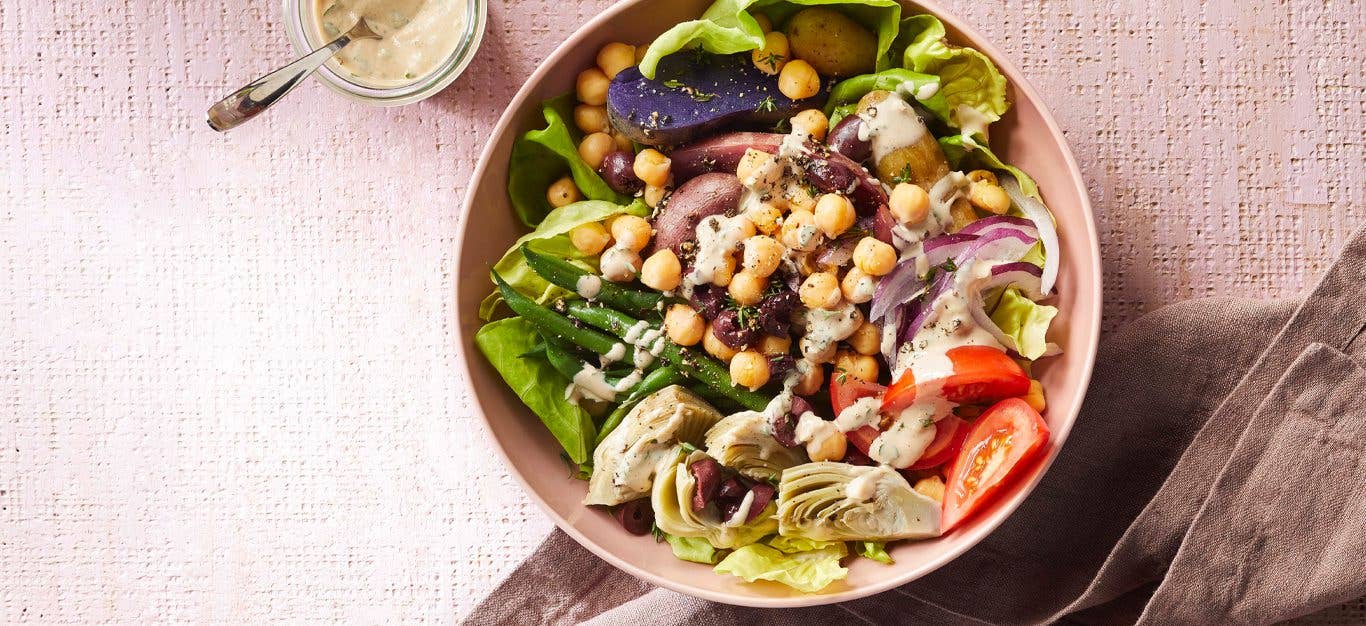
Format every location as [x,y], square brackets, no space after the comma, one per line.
[423,46]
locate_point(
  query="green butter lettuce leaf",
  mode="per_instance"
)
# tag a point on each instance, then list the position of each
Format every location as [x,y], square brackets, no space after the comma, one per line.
[510,345]
[542,156]
[728,27]
[875,550]
[695,549]
[849,90]
[972,92]
[807,571]
[967,154]
[1024,320]
[552,237]
[791,545]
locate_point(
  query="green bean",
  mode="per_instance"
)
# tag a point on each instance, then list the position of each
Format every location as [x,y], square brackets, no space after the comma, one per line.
[552,324]
[654,381]
[851,89]
[701,368]
[566,275]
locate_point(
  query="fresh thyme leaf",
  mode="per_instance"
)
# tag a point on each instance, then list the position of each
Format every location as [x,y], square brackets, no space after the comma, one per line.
[841,376]
[673,83]
[904,176]
[687,447]
[926,422]
[658,534]
[767,105]
[696,94]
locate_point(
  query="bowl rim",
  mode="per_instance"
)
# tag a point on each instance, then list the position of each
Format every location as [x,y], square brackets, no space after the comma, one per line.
[975,534]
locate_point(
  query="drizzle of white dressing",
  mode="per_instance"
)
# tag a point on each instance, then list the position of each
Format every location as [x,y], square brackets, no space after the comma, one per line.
[863,412]
[738,519]
[972,122]
[949,325]
[811,428]
[588,286]
[926,91]
[618,261]
[864,486]
[891,125]
[591,382]
[717,238]
[628,381]
[864,288]
[905,441]
[633,333]
[825,328]
[617,353]
[639,460]
[642,358]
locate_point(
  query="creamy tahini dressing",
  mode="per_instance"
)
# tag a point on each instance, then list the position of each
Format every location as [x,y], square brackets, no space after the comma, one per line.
[905,440]
[891,125]
[738,519]
[416,37]
[864,486]
[863,412]
[826,328]
[588,286]
[810,427]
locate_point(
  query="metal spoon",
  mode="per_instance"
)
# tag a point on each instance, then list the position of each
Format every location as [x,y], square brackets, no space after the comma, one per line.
[250,101]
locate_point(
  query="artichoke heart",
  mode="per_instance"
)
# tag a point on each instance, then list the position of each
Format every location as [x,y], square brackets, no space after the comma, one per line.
[672,501]
[841,502]
[742,442]
[624,463]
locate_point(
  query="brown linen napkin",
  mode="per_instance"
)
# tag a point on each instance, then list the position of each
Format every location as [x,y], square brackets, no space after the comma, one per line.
[1217,474]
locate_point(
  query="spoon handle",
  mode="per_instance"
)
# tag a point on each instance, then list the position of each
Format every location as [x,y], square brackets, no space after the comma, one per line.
[250,101]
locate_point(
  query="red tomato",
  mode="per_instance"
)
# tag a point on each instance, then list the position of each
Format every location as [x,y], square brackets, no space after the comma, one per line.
[980,374]
[1008,436]
[846,392]
[948,438]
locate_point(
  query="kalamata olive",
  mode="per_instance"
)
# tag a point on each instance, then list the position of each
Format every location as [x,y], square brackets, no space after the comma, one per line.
[730,331]
[617,170]
[784,427]
[852,456]
[878,223]
[775,313]
[780,365]
[763,494]
[843,138]
[636,516]
[709,300]
[707,473]
[729,496]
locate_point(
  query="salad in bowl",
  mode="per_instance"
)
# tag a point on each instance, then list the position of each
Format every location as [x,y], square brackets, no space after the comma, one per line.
[779,302]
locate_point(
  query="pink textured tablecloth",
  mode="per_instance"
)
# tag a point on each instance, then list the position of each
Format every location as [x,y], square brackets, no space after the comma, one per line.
[228,389]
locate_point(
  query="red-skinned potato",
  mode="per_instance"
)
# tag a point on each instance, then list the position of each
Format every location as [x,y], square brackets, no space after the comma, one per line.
[700,197]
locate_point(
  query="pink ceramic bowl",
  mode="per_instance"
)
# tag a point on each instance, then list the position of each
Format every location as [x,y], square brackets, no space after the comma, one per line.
[1027,137]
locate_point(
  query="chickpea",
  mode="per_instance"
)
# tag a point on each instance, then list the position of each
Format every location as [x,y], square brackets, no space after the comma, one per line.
[684,325]
[859,366]
[714,347]
[978,176]
[931,487]
[762,255]
[812,122]
[772,57]
[820,290]
[743,227]
[1035,396]
[799,230]
[798,197]
[654,195]
[620,265]
[590,238]
[765,24]
[874,257]
[909,203]
[631,232]
[615,57]
[640,52]
[809,379]
[834,214]
[591,86]
[867,340]
[828,448]
[773,345]
[757,167]
[989,197]
[749,369]
[722,274]
[662,271]
[623,142]
[747,288]
[594,148]
[652,167]
[798,80]
[767,218]
[563,192]
[857,286]
[591,119]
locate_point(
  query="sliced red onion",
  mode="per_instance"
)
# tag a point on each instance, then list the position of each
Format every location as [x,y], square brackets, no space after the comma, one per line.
[895,289]
[1024,276]
[1006,244]
[1043,221]
[944,247]
[988,224]
[914,319]
[763,494]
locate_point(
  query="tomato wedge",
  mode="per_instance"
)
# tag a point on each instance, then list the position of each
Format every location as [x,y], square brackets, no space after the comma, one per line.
[1008,436]
[949,434]
[980,374]
[846,392]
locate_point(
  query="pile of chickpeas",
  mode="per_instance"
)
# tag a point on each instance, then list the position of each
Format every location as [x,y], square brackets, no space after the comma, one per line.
[797,79]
